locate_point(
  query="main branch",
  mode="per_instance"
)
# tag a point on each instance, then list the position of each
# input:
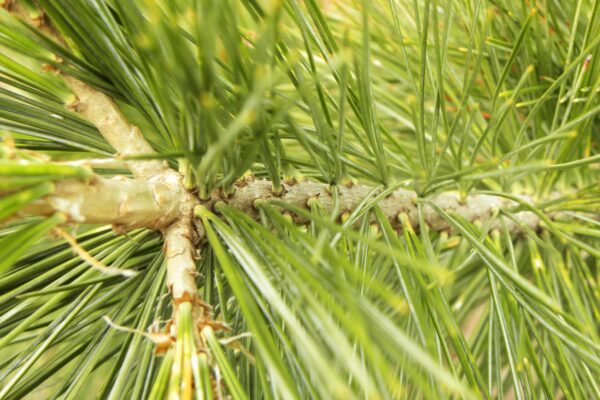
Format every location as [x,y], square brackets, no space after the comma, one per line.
[474,207]
[162,204]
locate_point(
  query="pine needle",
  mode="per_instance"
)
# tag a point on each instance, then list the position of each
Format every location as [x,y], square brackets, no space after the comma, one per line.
[87,257]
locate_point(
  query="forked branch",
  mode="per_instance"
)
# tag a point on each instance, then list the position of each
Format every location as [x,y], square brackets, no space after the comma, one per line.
[157,199]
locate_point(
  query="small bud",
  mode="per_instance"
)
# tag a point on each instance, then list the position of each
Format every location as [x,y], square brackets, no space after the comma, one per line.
[162,342]
[288,217]
[530,68]
[313,202]
[374,230]
[257,203]
[344,217]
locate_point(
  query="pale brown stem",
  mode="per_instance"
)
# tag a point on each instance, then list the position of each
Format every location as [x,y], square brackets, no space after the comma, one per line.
[181,267]
[127,139]
[125,203]
[475,207]
[164,205]
[176,222]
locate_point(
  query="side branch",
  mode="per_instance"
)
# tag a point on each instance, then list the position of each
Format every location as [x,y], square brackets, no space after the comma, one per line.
[127,139]
[125,203]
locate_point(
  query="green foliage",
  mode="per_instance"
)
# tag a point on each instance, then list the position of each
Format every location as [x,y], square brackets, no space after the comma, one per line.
[478,96]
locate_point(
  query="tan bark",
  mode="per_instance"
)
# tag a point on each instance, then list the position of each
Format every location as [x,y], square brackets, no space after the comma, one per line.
[125,203]
[179,252]
[163,204]
[175,221]
[127,139]
[178,230]
[160,203]
[475,207]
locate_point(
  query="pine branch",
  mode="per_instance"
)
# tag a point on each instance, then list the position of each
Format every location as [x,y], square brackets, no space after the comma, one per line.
[174,218]
[312,332]
[124,203]
[157,199]
[474,207]
[101,110]
[161,204]
[127,139]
